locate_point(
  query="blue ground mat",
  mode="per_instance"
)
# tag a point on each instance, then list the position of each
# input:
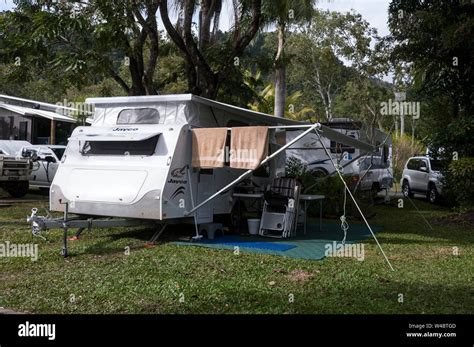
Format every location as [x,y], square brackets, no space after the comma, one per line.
[309,246]
[246,242]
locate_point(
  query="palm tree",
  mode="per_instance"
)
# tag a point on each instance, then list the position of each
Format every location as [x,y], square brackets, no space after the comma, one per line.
[283,13]
[266,104]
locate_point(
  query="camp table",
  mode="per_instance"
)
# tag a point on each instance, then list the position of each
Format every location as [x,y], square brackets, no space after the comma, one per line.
[306,198]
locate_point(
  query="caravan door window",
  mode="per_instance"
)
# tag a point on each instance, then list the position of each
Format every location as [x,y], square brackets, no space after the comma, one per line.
[337,147]
[144,147]
[139,116]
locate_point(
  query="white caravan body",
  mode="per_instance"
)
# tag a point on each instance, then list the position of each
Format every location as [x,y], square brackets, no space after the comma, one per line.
[135,159]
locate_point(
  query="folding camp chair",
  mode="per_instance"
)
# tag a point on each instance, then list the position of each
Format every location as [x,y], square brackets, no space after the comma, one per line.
[280,208]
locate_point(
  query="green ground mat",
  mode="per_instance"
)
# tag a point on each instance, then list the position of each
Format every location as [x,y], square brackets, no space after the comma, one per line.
[310,246]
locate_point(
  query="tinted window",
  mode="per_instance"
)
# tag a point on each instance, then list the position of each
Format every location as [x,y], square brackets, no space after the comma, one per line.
[59,152]
[424,164]
[364,164]
[413,164]
[139,116]
[145,147]
[372,163]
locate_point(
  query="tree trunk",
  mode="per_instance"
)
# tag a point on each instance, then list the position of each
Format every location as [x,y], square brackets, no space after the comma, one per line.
[402,124]
[280,74]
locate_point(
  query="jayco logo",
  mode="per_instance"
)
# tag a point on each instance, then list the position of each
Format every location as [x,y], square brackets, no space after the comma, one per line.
[125,129]
[37,330]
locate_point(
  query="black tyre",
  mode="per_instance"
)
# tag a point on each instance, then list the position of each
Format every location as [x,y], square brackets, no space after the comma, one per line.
[374,191]
[432,194]
[406,190]
[17,189]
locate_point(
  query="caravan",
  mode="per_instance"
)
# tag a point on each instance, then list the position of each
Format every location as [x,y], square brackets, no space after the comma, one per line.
[136,162]
[372,170]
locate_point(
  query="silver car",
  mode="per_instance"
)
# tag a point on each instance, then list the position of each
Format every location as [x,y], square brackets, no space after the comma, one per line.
[422,175]
[46,165]
[376,173]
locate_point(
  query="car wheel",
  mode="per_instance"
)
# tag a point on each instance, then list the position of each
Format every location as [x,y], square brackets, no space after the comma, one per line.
[432,194]
[18,189]
[407,193]
[374,191]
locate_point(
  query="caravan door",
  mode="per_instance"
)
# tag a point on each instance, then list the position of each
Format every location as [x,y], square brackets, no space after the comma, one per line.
[205,189]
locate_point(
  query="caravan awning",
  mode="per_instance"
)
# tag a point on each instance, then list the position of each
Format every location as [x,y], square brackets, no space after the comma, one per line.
[27,111]
[114,136]
[335,135]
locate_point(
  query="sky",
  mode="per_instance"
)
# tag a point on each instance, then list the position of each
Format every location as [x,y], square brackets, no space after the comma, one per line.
[373,11]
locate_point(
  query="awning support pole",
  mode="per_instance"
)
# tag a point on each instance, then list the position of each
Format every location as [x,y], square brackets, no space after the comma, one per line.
[52,138]
[248,172]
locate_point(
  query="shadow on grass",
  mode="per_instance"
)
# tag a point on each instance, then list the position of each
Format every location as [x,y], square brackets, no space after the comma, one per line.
[103,247]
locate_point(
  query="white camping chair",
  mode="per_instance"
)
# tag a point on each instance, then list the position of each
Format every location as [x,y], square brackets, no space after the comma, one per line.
[280,208]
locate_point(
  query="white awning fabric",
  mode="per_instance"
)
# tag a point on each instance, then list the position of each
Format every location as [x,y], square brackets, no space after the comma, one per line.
[26,111]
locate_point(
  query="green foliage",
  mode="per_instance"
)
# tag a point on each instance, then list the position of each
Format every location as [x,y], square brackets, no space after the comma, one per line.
[433,40]
[333,190]
[329,186]
[459,182]
[296,168]
[266,103]
[320,48]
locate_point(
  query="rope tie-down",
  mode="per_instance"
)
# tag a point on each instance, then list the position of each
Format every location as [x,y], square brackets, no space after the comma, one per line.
[344,224]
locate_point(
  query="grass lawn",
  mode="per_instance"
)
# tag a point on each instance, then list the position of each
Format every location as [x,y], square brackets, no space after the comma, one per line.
[99,277]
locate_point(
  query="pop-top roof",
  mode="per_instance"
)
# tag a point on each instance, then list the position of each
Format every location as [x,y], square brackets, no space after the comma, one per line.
[150,99]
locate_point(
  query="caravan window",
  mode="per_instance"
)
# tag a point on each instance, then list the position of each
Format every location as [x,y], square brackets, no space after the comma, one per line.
[337,147]
[145,147]
[139,116]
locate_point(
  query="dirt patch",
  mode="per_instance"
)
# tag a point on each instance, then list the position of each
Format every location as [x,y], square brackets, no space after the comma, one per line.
[300,276]
[466,218]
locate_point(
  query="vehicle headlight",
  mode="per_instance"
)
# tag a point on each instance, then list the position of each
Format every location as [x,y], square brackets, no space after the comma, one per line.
[6,172]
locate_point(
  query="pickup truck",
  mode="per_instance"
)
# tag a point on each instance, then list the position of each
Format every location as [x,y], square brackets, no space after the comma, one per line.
[15,169]
[45,167]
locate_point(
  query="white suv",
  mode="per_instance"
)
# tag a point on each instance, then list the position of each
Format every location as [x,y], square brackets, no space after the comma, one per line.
[422,175]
